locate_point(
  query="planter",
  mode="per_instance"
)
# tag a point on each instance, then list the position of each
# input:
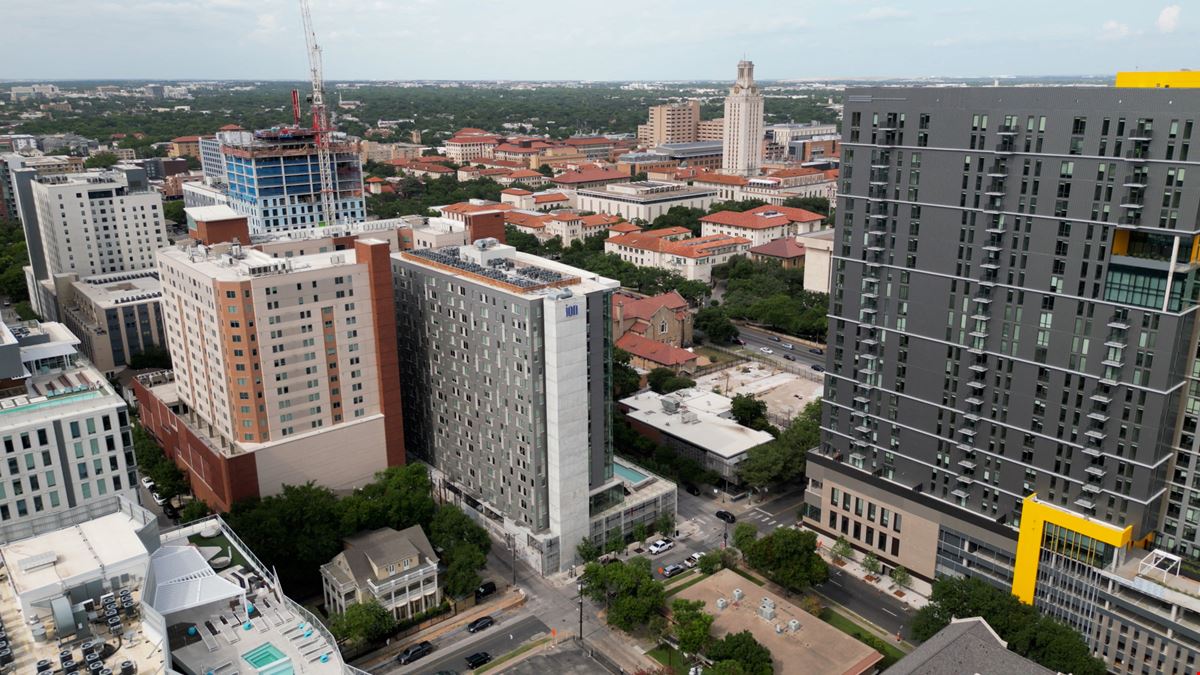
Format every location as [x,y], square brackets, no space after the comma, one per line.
[839,563]
[899,594]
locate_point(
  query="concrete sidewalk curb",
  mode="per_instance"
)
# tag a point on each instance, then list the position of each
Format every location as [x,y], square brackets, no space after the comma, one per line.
[389,652]
[864,623]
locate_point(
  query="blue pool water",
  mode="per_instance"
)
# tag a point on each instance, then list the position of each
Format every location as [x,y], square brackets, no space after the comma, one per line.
[268,659]
[629,473]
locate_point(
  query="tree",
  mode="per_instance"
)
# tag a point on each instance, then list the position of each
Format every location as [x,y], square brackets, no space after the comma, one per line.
[151,356]
[640,532]
[715,325]
[100,160]
[363,622]
[615,543]
[193,510]
[692,625]
[625,380]
[664,524]
[744,650]
[815,204]
[451,527]
[871,564]
[173,211]
[628,590]
[744,536]
[788,557]
[462,569]
[747,410]
[783,459]
[725,668]
[658,378]
[546,171]
[736,205]
[841,549]
[399,497]
[1027,631]
[901,576]
[812,604]
[710,562]
[588,550]
[763,466]
[676,383]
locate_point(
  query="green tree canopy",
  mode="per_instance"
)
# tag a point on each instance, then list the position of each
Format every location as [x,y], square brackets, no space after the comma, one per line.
[715,324]
[692,625]
[815,204]
[747,409]
[173,210]
[363,622]
[787,556]
[100,160]
[743,649]
[627,589]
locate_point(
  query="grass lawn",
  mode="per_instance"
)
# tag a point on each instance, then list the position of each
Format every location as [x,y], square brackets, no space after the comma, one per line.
[712,354]
[512,655]
[679,577]
[690,582]
[891,652]
[223,543]
[669,657]
[753,579]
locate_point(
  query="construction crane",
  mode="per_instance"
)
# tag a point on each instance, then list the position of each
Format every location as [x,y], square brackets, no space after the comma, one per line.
[322,125]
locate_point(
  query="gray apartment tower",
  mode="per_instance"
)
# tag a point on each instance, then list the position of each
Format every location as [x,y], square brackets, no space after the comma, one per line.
[1013,344]
[507,364]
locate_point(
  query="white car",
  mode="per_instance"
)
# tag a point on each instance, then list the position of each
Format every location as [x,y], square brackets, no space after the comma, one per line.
[148,483]
[661,546]
[158,499]
[692,560]
[766,350]
[787,345]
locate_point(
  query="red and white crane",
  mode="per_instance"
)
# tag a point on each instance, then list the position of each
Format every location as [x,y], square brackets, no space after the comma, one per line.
[322,124]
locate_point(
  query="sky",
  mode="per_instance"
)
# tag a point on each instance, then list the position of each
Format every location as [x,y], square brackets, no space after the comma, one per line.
[593,39]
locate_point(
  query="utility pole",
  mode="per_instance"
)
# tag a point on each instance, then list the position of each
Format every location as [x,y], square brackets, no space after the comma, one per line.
[512,550]
[579,587]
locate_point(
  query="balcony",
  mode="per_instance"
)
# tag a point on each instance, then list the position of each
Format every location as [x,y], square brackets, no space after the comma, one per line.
[1085,503]
[976,384]
[1117,323]
[862,429]
[967,464]
[974,402]
[1135,180]
[1095,435]
[995,188]
[964,479]
[979,368]
[1091,488]
[1006,146]
[1098,416]
[1092,452]
[1095,471]
[1141,134]
[1008,130]
[1112,364]
[1101,399]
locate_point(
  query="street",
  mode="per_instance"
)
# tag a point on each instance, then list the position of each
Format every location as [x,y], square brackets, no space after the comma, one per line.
[756,339]
[450,651]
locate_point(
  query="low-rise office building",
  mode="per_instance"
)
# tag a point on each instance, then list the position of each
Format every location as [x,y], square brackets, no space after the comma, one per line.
[763,224]
[397,569]
[643,200]
[674,249]
[698,425]
[115,316]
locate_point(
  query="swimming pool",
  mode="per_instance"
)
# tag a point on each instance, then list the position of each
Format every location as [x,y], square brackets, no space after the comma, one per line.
[268,659]
[629,473]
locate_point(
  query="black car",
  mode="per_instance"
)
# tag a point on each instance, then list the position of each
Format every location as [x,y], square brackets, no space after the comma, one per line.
[727,517]
[819,369]
[739,341]
[789,357]
[170,512]
[774,338]
[485,589]
[478,659]
[692,489]
[480,623]
[415,652]
[817,351]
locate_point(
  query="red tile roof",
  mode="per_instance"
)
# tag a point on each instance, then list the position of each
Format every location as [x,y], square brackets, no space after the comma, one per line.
[590,175]
[696,247]
[231,127]
[784,247]
[746,221]
[634,307]
[793,173]
[624,228]
[792,213]
[375,179]
[718,178]
[550,198]
[186,139]
[525,173]
[468,207]
[655,352]
[516,191]
[600,220]
[525,219]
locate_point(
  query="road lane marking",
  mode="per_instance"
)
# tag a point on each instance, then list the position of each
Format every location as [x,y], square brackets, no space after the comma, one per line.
[835,583]
[888,611]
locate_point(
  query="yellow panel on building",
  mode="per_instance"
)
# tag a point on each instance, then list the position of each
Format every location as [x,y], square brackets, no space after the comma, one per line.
[1178,79]
[1034,516]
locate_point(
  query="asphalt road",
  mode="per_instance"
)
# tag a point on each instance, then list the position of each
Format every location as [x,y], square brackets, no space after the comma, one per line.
[756,339]
[450,651]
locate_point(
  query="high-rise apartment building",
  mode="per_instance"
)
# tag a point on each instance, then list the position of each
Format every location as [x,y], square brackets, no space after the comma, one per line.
[1011,390]
[285,367]
[273,178]
[743,151]
[64,429]
[507,362]
[97,222]
[670,123]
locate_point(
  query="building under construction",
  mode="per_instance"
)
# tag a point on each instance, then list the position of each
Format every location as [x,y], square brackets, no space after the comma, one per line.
[273,178]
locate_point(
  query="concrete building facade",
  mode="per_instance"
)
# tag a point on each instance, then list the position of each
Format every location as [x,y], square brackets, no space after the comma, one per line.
[644,200]
[1047,353]
[743,133]
[670,123]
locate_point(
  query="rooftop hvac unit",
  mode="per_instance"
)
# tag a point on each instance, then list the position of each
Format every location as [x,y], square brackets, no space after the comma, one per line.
[738,595]
[671,405]
[794,625]
[766,612]
[778,629]
[722,603]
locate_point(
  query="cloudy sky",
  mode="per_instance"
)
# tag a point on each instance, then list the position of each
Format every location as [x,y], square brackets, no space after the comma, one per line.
[594,40]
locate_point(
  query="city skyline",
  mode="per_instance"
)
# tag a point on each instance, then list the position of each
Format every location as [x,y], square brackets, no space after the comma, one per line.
[264,40]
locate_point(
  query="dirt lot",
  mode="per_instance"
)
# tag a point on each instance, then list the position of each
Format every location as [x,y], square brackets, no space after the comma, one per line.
[784,393]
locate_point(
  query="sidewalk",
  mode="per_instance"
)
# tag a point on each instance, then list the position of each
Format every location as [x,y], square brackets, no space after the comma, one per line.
[915,596]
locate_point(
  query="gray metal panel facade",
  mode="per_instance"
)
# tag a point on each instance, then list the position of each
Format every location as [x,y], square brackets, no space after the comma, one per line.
[1000,323]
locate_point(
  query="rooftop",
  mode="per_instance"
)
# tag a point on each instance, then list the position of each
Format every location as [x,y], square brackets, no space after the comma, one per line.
[965,646]
[230,262]
[696,247]
[784,247]
[490,262]
[800,643]
[718,178]
[654,351]
[673,415]
[637,307]
[112,290]
[590,175]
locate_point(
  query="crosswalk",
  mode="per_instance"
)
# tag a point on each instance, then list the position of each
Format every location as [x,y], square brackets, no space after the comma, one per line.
[762,517]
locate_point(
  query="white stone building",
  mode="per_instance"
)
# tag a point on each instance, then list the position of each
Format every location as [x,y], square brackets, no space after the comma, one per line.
[743,125]
[644,200]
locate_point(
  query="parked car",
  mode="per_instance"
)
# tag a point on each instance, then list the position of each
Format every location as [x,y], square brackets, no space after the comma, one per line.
[661,546]
[485,589]
[671,570]
[818,368]
[480,624]
[789,357]
[691,489]
[478,659]
[692,560]
[417,651]
[774,338]
[170,511]
[816,351]
[766,350]
[727,517]
[158,499]
[739,341]
[148,483]
[787,345]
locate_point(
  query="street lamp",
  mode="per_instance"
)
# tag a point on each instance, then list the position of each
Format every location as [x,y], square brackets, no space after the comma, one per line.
[579,587]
